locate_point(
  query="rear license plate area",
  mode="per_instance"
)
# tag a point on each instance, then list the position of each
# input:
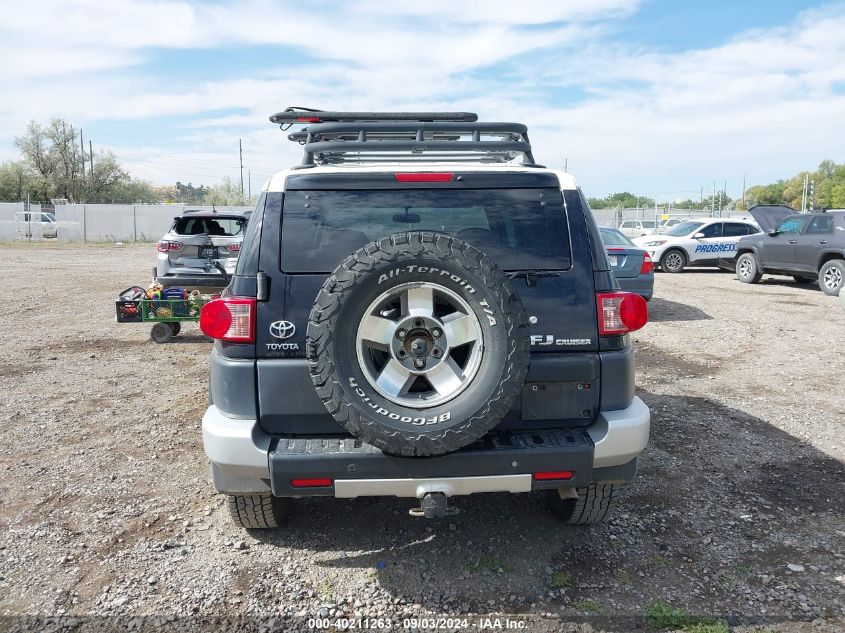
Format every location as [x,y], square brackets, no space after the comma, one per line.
[209,252]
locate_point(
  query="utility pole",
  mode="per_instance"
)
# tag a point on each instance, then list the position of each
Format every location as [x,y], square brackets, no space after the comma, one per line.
[713,202]
[241,154]
[743,191]
[565,164]
[82,149]
[249,181]
[804,194]
[701,197]
[91,157]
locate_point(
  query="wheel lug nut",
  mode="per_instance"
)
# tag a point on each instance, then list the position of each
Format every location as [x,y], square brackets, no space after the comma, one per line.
[435,351]
[401,333]
[419,363]
[436,333]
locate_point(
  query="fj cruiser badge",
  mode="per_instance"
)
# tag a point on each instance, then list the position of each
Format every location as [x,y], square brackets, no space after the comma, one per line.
[549,339]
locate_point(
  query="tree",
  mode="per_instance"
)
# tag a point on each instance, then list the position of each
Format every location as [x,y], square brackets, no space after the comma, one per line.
[36,151]
[622,199]
[227,193]
[52,166]
[17,181]
[69,160]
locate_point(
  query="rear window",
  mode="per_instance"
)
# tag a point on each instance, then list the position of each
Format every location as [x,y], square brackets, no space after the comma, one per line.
[612,237]
[517,228]
[223,226]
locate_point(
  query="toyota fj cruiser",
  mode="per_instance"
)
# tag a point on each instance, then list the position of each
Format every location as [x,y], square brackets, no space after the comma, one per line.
[416,312]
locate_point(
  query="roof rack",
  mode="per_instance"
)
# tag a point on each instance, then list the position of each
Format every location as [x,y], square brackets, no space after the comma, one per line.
[367,137]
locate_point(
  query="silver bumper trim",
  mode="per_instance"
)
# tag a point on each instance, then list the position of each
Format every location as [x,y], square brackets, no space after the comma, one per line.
[450,486]
[620,435]
[238,447]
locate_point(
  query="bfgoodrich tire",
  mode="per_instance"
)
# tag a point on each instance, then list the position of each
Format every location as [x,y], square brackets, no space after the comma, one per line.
[418,344]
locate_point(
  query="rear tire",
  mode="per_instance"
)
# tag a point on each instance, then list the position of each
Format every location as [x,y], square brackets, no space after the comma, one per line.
[593,504]
[832,277]
[746,269]
[673,261]
[258,512]
[161,333]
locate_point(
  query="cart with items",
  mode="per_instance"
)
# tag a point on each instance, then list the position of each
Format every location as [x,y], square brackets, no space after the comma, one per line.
[165,308]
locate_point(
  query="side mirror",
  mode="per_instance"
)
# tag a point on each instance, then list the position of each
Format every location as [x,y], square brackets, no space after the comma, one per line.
[698,236]
[774,233]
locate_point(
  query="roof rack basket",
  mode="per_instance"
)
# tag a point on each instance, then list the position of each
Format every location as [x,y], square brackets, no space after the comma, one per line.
[365,137]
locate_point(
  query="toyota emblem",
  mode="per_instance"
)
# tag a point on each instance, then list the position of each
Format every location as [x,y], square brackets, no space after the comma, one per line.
[282,329]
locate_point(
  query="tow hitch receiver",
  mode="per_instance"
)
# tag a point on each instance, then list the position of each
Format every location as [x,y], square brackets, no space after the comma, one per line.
[434,505]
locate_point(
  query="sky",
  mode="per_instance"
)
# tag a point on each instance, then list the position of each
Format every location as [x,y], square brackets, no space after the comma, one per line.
[655,97]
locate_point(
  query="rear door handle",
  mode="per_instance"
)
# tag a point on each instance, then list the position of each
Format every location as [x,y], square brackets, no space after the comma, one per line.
[822,241]
[792,242]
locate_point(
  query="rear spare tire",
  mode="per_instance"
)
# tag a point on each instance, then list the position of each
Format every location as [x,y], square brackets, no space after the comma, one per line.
[418,344]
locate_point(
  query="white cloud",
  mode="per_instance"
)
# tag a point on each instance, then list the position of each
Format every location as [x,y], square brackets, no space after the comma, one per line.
[763,103]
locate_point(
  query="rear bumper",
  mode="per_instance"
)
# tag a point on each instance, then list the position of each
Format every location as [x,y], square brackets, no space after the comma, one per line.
[643,285]
[193,281]
[245,459]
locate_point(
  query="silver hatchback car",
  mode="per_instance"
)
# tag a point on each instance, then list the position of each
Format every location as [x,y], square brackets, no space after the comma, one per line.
[200,250]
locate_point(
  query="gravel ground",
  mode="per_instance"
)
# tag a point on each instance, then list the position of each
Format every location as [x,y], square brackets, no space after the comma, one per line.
[107,514]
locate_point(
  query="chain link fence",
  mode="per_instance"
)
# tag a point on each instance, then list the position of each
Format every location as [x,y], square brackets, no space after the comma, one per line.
[652,216]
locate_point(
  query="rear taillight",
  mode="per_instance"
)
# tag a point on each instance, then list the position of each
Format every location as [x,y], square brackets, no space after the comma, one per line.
[230,319]
[164,247]
[234,247]
[648,264]
[620,313]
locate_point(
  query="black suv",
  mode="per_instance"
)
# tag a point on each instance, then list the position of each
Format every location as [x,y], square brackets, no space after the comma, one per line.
[807,246]
[416,313]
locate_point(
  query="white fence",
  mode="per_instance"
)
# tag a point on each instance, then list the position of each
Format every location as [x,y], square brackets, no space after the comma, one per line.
[17,222]
[122,222]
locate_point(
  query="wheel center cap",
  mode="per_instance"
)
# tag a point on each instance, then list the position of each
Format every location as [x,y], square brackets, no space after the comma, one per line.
[419,347]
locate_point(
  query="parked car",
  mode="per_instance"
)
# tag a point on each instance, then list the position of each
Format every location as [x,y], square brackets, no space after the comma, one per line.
[200,250]
[635,228]
[24,221]
[632,266]
[665,225]
[426,328]
[696,243]
[808,246]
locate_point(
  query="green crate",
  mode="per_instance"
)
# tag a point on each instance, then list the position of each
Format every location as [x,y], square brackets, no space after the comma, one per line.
[172,310]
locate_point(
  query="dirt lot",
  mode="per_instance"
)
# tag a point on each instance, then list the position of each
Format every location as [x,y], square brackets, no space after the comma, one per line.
[106,507]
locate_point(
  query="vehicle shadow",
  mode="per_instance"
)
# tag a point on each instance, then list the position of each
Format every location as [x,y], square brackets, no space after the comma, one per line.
[667,310]
[717,498]
[789,282]
[190,338]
